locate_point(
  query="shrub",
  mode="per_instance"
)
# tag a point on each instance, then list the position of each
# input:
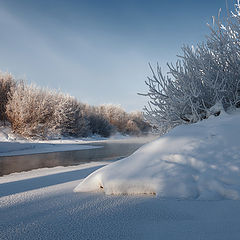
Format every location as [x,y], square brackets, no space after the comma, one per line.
[70,117]
[203,81]
[123,122]
[115,115]
[7,82]
[30,110]
[137,125]
[99,125]
[40,113]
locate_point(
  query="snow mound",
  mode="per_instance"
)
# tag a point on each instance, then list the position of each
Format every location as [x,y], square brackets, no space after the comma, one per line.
[198,161]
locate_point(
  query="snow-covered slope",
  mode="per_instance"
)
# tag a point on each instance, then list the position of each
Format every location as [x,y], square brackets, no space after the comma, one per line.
[198,161]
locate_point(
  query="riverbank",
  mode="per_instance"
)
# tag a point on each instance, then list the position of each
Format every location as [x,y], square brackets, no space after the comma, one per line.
[25,156]
[14,145]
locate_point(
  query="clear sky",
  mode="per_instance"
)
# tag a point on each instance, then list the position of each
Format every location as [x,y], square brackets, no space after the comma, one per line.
[98,50]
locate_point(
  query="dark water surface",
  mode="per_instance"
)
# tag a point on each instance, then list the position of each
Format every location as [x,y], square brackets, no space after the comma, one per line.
[109,150]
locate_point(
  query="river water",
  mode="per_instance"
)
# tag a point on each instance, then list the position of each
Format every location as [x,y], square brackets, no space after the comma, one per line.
[108,150]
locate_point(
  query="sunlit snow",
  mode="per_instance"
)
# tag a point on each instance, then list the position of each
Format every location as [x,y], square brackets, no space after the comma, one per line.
[198,161]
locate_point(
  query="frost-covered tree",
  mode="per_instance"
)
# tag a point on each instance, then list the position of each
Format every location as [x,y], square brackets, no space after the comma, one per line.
[115,115]
[70,117]
[205,79]
[7,82]
[40,113]
[30,110]
[132,128]
[99,125]
[123,122]
[137,125]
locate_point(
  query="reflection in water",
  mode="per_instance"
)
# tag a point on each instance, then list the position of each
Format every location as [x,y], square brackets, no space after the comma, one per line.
[109,150]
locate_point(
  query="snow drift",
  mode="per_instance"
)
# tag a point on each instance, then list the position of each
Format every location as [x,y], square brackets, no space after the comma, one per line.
[198,161]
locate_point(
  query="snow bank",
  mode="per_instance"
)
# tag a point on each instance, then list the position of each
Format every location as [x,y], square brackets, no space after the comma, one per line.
[13,144]
[42,172]
[22,148]
[198,161]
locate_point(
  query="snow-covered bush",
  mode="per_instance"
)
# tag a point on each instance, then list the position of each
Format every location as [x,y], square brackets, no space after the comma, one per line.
[30,110]
[204,80]
[137,125]
[115,115]
[99,125]
[70,117]
[123,122]
[40,113]
[132,128]
[6,83]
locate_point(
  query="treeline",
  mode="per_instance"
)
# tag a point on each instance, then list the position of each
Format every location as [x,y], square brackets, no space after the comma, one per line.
[41,113]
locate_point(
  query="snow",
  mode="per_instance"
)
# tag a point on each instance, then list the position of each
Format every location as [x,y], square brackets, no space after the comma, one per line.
[41,172]
[40,204]
[18,182]
[195,162]
[198,161]
[13,144]
[19,148]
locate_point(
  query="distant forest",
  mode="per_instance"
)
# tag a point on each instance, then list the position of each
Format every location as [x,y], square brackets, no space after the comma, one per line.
[36,112]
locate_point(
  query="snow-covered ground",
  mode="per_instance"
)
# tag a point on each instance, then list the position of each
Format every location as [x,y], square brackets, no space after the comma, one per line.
[13,145]
[40,204]
[198,161]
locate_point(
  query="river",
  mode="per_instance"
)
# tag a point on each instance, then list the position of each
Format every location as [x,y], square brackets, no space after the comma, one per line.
[108,150]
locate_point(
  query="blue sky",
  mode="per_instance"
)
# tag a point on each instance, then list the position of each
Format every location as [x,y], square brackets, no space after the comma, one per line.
[98,50]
